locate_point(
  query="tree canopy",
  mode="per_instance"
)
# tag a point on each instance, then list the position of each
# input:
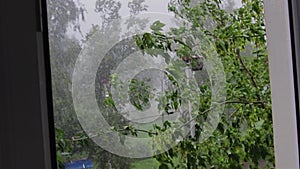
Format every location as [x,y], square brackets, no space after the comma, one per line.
[237,36]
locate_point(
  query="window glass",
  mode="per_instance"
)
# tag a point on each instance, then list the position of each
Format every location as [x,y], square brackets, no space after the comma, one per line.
[160,84]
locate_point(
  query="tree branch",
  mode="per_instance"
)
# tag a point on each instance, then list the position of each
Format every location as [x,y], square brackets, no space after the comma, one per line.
[246,69]
[245,102]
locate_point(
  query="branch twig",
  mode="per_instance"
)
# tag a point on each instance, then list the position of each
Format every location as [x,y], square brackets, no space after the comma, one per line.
[245,68]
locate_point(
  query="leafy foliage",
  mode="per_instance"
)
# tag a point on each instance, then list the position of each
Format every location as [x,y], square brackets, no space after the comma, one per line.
[245,131]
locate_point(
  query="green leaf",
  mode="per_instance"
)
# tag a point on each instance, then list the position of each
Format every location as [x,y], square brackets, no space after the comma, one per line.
[157,26]
[259,124]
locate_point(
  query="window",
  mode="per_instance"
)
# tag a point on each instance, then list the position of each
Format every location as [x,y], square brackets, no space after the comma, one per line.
[138,84]
[170,84]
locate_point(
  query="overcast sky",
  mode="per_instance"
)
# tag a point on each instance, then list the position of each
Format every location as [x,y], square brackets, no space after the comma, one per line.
[91,17]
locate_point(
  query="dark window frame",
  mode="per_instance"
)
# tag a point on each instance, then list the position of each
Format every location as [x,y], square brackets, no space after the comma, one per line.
[26,126]
[294,15]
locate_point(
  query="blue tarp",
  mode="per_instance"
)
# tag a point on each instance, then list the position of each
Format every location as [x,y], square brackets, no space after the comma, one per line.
[80,164]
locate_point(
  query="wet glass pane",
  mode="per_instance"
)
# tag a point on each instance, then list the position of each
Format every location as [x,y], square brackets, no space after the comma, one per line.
[160,84]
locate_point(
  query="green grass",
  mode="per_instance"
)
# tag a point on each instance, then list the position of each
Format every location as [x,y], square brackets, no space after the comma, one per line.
[149,163]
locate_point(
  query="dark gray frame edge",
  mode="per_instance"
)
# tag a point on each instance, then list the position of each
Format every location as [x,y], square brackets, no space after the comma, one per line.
[26,126]
[46,68]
